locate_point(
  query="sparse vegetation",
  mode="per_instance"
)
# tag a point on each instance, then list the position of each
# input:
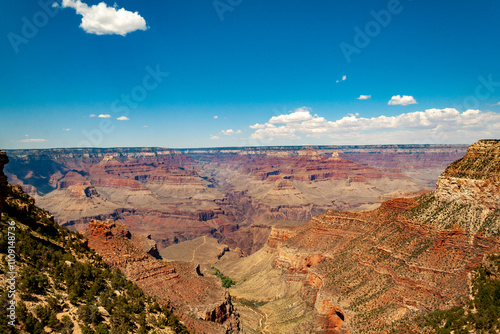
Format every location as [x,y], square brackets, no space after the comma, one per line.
[480,314]
[226,281]
[57,272]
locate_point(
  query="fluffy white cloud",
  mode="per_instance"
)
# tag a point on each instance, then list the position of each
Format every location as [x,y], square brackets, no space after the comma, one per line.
[101,19]
[272,132]
[214,137]
[104,116]
[230,132]
[67,129]
[402,100]
[216,116]
[257,126]
[93,115]
[344,78]
[123,118]
[298,115]
[431,125]
[364,97]
[33,140]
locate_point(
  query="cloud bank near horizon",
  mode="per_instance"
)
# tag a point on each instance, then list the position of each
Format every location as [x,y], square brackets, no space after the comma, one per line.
[432,125]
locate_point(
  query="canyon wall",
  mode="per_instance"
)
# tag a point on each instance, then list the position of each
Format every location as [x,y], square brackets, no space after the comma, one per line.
[235,195]
[467,193]
[375,271]
[200,301]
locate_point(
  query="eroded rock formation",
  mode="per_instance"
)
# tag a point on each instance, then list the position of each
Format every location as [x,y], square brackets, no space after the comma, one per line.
[370,271]
[467,194]
[200,301]
[233,194]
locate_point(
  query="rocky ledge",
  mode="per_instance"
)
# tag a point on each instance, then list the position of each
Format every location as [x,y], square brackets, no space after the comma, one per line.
[475,178]
[201,302]
[467,194]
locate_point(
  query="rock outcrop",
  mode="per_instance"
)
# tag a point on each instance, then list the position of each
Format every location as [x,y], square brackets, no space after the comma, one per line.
[200,301]
[467,194]
[474,179]
[57,282]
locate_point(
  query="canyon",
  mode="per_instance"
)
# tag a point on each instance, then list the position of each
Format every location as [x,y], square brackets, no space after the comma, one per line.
[233,194]
[374,271]
[289,226]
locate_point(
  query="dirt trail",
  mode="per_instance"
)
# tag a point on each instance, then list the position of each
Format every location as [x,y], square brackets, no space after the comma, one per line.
[194,250]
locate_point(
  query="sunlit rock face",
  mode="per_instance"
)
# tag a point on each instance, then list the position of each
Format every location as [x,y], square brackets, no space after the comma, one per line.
[475,178]
[235,195]
[467,194]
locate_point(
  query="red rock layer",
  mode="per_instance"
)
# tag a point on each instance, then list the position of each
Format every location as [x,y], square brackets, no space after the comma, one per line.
[309,165]
[367,270]
[201,302]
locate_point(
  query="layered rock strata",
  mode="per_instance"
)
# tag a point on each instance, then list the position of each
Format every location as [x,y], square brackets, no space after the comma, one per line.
[378,270]
[467,194]
[200,301]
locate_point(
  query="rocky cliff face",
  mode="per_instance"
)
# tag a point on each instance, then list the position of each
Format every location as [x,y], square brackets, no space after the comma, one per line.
[467,194]
[200,301]
[233,194]
[376,271]
[474,179]
[368,271]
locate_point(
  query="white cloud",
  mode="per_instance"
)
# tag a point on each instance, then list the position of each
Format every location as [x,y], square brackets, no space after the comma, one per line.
[429,126]
[495,104]
[344,78]
[67,129]
[216,116]
[298,115]
[402,100]
[257,126]
[214,137]
[145,126]
[93,115]
[33,140]
[101,19]
[123,118]
[230,132]
[104,116]
[364,97]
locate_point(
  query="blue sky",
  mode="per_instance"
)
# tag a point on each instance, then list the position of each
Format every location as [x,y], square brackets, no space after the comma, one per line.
[240,72]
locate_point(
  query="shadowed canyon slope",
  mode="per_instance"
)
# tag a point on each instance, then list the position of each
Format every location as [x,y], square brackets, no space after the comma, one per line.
[233,194]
